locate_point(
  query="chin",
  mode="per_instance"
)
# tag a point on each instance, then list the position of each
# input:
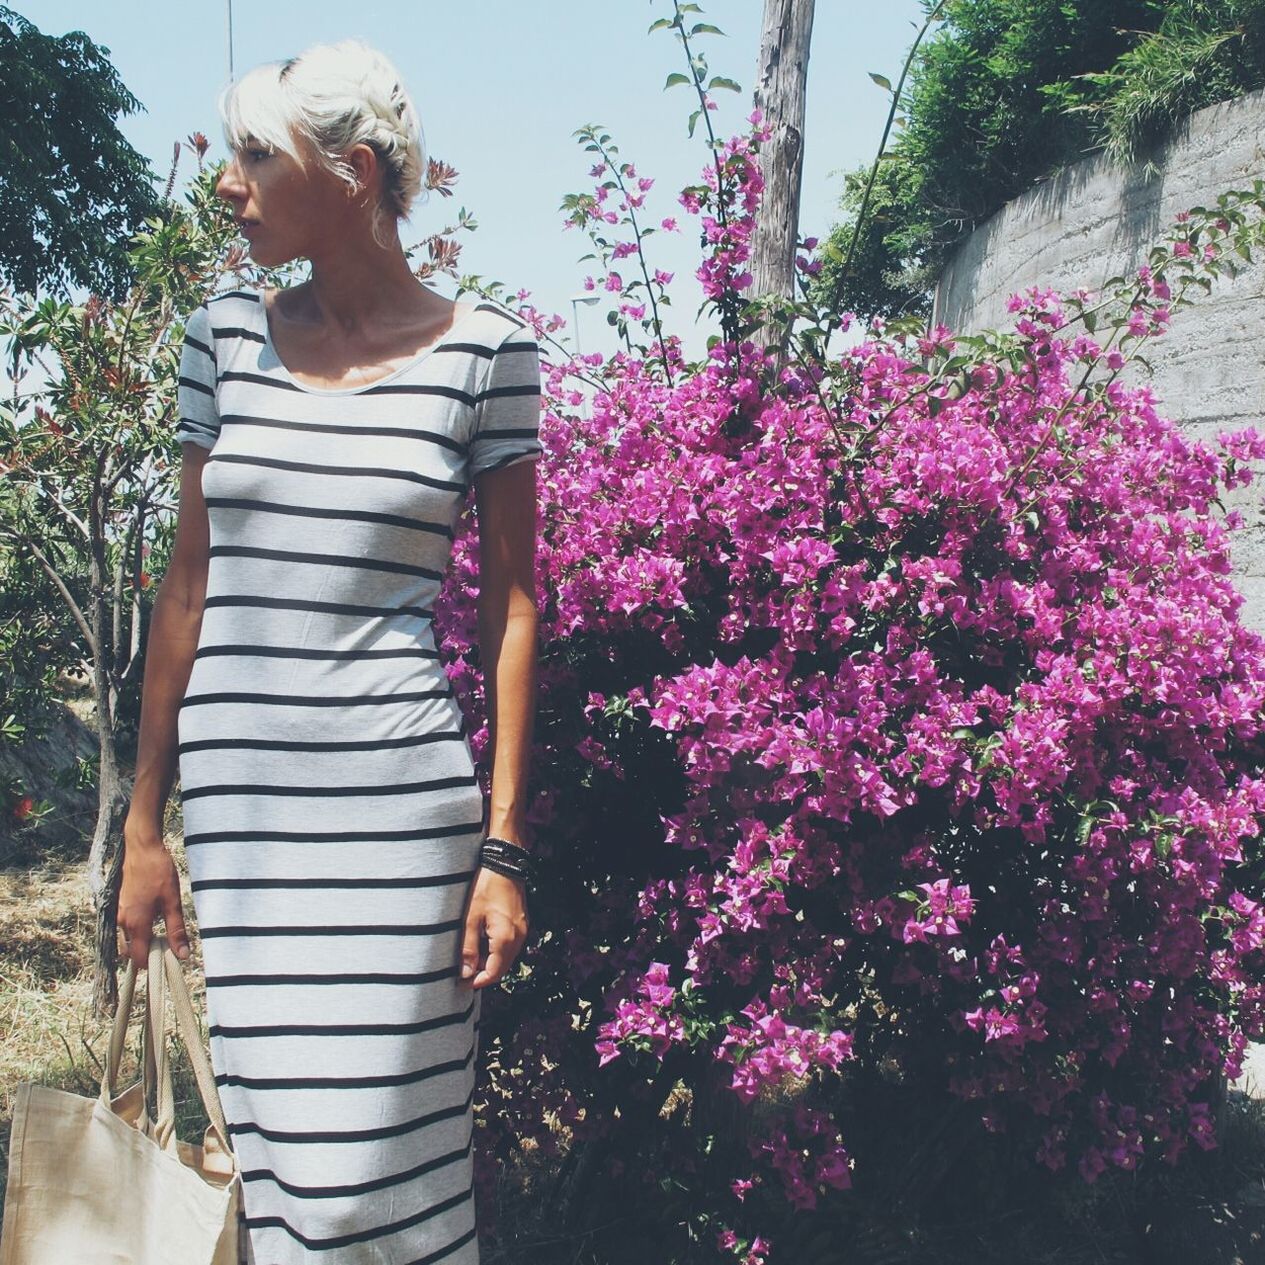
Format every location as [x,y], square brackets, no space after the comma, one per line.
[269,257]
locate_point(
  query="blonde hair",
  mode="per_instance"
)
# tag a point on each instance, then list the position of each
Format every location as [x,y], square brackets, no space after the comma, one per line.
[334,96]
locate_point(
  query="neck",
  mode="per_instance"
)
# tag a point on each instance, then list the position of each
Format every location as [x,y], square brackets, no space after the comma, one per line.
[353,285]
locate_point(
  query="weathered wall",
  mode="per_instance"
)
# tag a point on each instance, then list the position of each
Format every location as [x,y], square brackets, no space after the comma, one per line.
[1096,220]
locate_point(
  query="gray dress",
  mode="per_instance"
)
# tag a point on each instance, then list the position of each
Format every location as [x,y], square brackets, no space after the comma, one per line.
[332,816]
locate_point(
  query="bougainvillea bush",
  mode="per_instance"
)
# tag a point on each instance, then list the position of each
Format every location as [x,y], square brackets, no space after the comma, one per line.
[895,710]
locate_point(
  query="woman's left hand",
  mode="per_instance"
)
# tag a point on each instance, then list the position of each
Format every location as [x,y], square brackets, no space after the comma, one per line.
[498,910]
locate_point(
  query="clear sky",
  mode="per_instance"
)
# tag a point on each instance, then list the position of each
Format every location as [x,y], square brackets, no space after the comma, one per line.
[501,85]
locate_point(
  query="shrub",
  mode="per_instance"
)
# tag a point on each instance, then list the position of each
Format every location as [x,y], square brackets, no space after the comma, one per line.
[894,711]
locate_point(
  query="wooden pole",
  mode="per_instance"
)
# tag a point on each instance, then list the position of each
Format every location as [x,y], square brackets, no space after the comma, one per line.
[780,88]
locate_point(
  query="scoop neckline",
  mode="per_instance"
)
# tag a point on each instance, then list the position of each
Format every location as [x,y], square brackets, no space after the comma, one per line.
[364,386]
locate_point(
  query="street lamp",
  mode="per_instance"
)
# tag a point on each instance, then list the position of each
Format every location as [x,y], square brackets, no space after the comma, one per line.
[587,297]
[583,297]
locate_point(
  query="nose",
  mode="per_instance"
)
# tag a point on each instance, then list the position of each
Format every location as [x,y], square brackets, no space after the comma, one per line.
[229,186]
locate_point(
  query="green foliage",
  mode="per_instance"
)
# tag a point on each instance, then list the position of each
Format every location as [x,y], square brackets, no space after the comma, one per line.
[1005,94]
[74,189]
[88,461]
[1203,51]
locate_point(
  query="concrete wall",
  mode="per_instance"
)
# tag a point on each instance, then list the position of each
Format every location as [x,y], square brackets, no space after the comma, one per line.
[1095,220]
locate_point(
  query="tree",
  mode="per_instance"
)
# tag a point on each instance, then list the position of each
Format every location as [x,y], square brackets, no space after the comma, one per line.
[781,84]
[1007,93]
[75,190]
[87,463]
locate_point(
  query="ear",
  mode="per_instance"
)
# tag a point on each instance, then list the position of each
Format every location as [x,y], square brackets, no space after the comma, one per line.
[364,161]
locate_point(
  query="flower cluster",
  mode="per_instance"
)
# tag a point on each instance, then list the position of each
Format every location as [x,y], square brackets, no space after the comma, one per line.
[939,697]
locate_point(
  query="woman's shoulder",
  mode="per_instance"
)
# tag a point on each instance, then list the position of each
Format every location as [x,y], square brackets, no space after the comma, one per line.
[492,324]
[236,314]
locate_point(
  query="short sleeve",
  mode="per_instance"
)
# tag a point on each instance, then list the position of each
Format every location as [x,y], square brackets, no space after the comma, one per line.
[507,408]
[199,416]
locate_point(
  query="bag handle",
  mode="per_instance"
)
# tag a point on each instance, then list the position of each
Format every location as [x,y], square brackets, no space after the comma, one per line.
[165,974]
[118,1034]
[191,1035]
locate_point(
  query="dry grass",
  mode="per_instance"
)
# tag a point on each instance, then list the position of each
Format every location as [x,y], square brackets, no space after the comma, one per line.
[1197,1215]
[48,1032]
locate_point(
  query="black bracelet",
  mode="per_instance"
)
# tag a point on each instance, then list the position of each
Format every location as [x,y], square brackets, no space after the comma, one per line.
[514,850]
[506,858]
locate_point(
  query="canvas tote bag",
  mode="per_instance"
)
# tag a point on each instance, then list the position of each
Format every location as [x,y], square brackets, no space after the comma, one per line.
[98,1181]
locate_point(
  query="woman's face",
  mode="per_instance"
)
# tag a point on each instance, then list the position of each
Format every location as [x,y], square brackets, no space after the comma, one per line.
[285,209]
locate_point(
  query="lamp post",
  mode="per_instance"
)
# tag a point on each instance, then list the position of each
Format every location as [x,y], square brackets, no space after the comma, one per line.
[576,299]
[231,74]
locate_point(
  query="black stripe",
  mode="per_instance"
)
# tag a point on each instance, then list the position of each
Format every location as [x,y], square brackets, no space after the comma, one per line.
[236,331]
[433,1258]
[193,424]
[405,880]
[314,652]
[333,428]
[194,385]
[374,472]
[421,388]
[355,1135]
[323,559]
[349,744]
[324,929]
[473,349]
[358,1188]
[199,345]
[530,346]
[259,379]
[509,432]
[364,977]
[362,1082]
[312,700]
[343,1240]
[339,836]
[377,788]
[327,608]
[493,393]
[505,460]
[345,1029]
[250,295]
[308,511]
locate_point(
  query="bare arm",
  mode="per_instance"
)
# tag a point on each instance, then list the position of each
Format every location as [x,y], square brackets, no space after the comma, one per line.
[150,886]
[508,620]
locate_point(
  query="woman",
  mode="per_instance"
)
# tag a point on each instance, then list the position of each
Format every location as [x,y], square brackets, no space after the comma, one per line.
[345,873]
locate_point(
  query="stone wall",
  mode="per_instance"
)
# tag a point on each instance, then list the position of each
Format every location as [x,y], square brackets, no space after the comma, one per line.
[1096,220]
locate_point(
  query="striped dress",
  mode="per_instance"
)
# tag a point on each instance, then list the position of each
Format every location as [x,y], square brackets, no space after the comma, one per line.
[331,812]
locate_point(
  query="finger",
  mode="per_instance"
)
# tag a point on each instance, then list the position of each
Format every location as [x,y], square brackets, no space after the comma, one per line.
[138,947]
[494,968]
[177,933]
[470,945]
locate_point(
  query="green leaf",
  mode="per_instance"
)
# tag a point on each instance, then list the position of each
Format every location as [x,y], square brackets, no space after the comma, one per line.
[659,25]
[882,80]
[705,28]
[719,81]
[675,78]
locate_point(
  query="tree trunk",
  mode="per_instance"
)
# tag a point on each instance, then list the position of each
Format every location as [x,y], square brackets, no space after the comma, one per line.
[105,859]
[781,79]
